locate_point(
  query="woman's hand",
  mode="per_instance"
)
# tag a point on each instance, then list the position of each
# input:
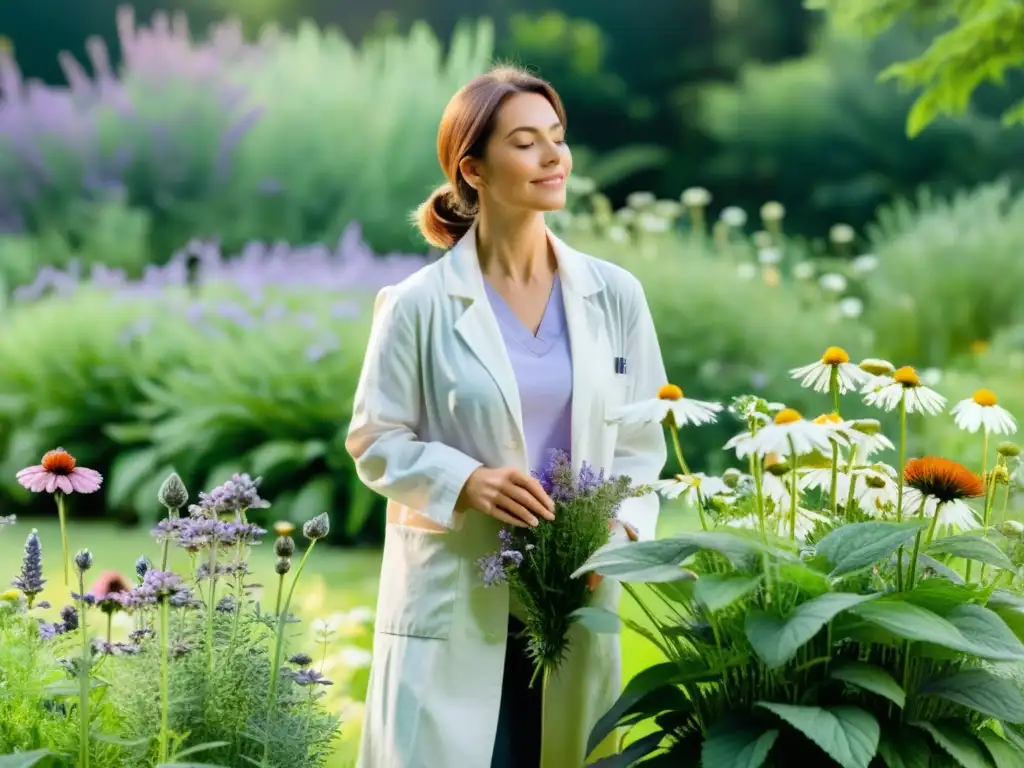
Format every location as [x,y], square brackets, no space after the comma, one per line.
[507,495]
[594,579]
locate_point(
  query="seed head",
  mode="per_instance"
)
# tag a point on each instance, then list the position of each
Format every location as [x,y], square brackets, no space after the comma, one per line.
[835,356]
[317,528]
[670,392]
[173,494]
[1008,449]
[907,376]
[83,560]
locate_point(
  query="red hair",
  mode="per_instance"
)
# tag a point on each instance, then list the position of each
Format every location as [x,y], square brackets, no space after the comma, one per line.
[466,126]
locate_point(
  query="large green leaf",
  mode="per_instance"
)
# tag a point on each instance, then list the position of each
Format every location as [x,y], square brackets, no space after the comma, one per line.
[129,470]
[597,619]
[970,546]
[904,748]
[24,759]
[870,678]
[982,691]
[729,746]
[313,498]
[911,622]
[849,735]
[806,579]
[855,546]
[719,591]
[776,640]
[633,752]
[957,742]
[276,458]
[640,561]
[1004,754]
[938,595]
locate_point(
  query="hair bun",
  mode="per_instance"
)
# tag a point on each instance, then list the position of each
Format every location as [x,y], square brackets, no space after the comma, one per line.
[441,219]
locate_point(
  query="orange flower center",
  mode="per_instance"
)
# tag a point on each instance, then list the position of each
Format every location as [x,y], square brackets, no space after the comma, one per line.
[985,397]
[58,461]
[670,392]
[829,418]
[907,376]
[944,479]
[835,356]
[787,416]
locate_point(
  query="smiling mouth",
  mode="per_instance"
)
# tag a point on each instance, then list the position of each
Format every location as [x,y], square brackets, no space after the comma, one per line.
[551,181]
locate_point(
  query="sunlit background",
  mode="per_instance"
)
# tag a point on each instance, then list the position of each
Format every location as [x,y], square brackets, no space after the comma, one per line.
[198,200]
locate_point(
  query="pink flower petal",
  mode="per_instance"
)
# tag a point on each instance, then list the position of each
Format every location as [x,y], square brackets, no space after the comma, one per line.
[37,483]
[64,483]
[90,474]
[51,483]
[82,483]
[30,471]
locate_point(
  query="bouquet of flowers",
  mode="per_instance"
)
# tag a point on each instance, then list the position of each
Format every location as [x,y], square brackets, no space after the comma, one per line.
[538,563]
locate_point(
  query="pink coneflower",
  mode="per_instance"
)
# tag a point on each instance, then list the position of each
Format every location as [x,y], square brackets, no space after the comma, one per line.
[59,472]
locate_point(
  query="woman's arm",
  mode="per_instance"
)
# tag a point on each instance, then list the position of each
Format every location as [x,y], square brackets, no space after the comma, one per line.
[640,450]
[389,456]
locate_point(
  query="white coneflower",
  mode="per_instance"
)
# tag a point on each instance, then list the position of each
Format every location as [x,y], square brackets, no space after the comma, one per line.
[790,434]
[832,282]
[938,488]
[818,375]
[637,200]
[669,402]
[841,234]
[772,211]
[734,216]
[806,521]
[879,374]
[851,307]
[820,479]
[617,233]
[866,436]
[982,411]
[688,486]
[769,256]
[876,491]
[652,222]
[803,270]
[695,197]
[863,264]
[931,377]
[906,384]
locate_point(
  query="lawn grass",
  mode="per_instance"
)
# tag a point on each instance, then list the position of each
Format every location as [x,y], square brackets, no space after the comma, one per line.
[335,581]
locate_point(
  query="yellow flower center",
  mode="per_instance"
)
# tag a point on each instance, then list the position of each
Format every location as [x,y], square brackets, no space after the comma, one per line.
[829,418]
[835,356]
[907,376]
[985,397]
[284,528]
[787,416]
[670,392]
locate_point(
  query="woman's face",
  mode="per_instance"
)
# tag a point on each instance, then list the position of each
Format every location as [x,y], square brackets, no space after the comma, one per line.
[526,161]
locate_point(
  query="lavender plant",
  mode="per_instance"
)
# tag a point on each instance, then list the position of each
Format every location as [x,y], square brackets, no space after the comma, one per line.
[203,671]
[538,563]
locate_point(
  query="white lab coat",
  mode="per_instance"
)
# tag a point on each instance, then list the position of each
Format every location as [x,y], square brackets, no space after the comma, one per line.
[437,398]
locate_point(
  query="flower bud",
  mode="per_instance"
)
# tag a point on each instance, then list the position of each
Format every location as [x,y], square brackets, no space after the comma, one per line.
[301,660]
[284,546]
[1000,474]
[1012,528]
[1008,449]
[142,565]
[172,493]
[83,560]
[317,528]
[284,564]
[731,477]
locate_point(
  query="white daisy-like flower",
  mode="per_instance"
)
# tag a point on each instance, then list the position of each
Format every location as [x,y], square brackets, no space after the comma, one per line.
[818,375]
[695,197]
[982,411]
[935,486]
[906,386]
[790,434]
[863,264]
[803,270]
[841,234]
[734,216]
[876,490]
[688,486]
[879,374]
[806,521]
[832,282]
[670,403]
[778,489]
[640,199]
[820,479]
[851,307]
[769,256]
[866,437]
[772,211]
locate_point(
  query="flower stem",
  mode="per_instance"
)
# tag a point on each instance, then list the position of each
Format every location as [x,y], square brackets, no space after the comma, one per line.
[674,431]
[793,492]
[990,498]
[172,514]
[211,609]
[83,678]
[755,471]
[899,486]
[275,669]
[164,694]
[280,593]
[834,486]
[62,517]
[917,544]
[700,510]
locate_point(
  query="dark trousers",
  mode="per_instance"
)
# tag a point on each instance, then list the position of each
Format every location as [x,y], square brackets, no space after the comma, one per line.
[517,743]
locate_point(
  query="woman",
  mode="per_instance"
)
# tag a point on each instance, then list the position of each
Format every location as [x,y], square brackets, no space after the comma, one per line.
[510,345]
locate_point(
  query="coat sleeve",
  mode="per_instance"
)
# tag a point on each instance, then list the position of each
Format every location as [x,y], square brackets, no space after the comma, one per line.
[640,450]
[382,440]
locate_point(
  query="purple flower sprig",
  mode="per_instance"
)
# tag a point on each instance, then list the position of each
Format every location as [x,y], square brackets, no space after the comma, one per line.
[31,580]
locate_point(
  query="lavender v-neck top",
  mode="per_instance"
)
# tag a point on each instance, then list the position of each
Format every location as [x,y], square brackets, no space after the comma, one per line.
[543,369]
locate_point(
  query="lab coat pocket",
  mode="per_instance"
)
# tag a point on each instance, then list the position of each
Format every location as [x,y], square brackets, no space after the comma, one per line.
[419,583]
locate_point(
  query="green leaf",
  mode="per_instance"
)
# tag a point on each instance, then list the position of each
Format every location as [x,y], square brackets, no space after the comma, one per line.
[870,678]
[719,591]
[1004,754]
[849,735]
[911,622]
[189,765]
[359,506]
[276,457]
[314,497]
[982,691]
[938,595]
[904,748]
[855,546]
[634,751]
[730,747]
[806,579]
[986,632]
[129,470]
[970,546]
[957,742]
[597,619]
[24,759]
[776,640]
[200,748]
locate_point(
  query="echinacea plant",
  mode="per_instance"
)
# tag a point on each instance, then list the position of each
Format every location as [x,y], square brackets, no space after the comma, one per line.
[829,613]
[199,672]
